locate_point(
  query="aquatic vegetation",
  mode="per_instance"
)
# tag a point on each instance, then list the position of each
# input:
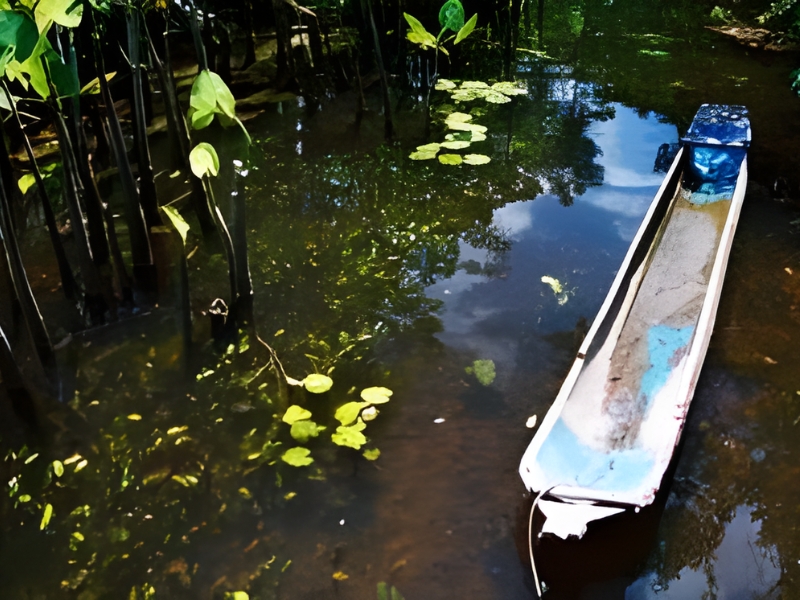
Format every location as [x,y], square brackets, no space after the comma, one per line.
[484,371]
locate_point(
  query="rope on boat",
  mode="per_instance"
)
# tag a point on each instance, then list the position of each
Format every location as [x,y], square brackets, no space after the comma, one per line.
[530,540]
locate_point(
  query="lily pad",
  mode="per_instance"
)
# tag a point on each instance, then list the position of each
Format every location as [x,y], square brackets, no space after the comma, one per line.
[483,370]
[474,85]
[304,430]
[459,136]
[456,126]
[297,457]
[347,413]
[318,384]
[376,395]
[476,159]
[433,147]
[458,145]
[509,88]
[295,413]
[444,84]
[496,98]
[350,437]
[371,454]
[422,155]
[458,117]
[450,159]
[478,136]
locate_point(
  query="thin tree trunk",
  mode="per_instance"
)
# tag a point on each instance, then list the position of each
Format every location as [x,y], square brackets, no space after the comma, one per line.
[22,289]
[388,127]
[540,25]
[249,35]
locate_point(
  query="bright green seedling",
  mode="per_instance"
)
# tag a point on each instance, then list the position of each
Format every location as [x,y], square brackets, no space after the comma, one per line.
[211,98]
[204,161]
[451,18]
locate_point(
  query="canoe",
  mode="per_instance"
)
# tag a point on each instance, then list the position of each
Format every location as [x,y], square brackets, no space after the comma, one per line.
[610,435]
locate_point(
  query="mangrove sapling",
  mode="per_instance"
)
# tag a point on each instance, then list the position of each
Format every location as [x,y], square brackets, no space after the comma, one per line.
[68,284]
[143,267]
[147,187]
[22,290]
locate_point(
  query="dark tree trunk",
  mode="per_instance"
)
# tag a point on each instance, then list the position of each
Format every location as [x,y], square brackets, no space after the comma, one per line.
[388,127]
[287,71]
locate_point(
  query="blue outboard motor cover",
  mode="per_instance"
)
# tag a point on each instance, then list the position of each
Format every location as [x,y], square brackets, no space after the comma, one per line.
[717,141]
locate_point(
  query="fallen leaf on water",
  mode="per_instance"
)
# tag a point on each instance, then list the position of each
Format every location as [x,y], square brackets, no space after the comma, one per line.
[340,576]
[770,361]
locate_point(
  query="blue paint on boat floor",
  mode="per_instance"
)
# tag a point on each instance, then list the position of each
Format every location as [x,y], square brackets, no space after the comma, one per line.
[664,346]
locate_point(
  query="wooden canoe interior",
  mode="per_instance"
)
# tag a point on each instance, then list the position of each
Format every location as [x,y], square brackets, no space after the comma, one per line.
[617,427]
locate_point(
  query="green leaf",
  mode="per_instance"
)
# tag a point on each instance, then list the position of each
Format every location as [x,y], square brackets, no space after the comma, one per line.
[177,222]
[476,159]
[483,370]
[383,591]
[297,457]
[376,395]
[27,180]
[203,98]
[46,516]
[93,87]
[304,430]
[456,145]
[396,594]
[467,28]
[422,155]
[225,101]
[426,40]
[347,413]
[434,147]
[317,384]
[18,32]
[201,120]
[458,117]
[371,454]
[444,84]
[204,160]
[351,437]
[236,596]
[66,13]
[58,468]
[509,88]
[416,26]
[450,159]
[451,15]
[295,413]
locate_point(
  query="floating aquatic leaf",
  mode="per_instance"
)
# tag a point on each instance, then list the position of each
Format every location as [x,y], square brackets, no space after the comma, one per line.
[445,84]
[46,516]
[350,437]
[371,454]
[554,284]
[466,126]
[483,371]
[237,596]
[295,413]
[496,98]
[304,430]
[458,117]
[422,155]
[297,457]
[476,159]
[347,413]
[478,136]
[450,159]
[340,576]
[376,395]
[433,147]
[459,136]
[135,417]
[58,468]
[456,145]
[509,88]
[318,384]
[474,85]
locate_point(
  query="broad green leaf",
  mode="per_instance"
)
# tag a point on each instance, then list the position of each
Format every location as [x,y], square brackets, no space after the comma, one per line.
[201,120]
[225,101]
[304,430]
[450,159]
[19,32]
[204,160]
[66,13]
[376,395]
[477,136]
[295,413]
[371,454]
[58,468]
[466,126]
[317,384]
[347,413]
[27,180]
[467,28]
[422,155]
[456,145]
[297,457]
[350,437]
[32,67]
[46,516]
[444,84]
[426,40]
[474,85]
[416,26]
[476,159]
[496,97]
[451,15]
[203,98]
[178,223]
[434,147]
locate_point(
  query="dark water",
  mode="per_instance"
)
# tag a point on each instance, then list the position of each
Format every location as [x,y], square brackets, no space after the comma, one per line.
[401,274]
